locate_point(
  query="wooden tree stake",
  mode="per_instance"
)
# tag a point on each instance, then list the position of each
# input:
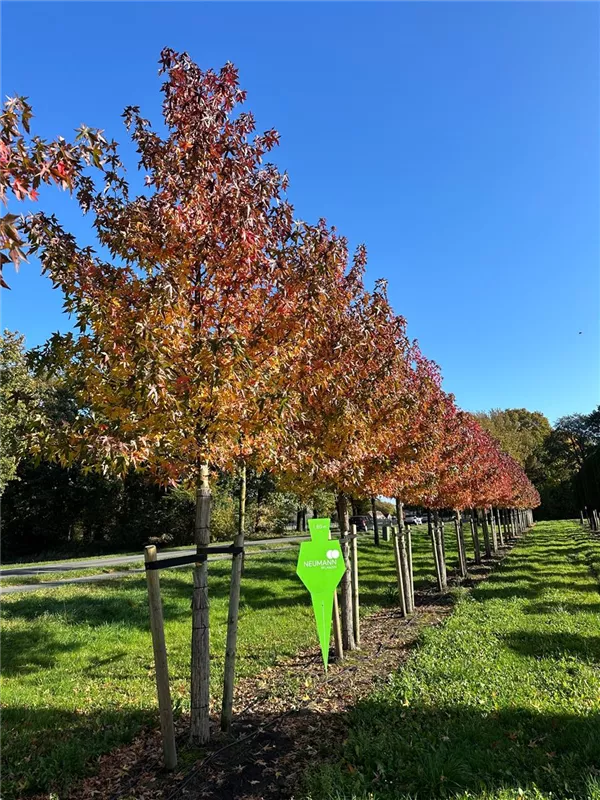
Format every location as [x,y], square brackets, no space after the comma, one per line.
[160,662]
[355,597]
[237,561]
[401,592]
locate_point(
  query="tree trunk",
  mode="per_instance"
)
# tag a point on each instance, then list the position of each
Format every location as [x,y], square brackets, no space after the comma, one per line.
[475,534]
[234,609]
[486,534]
[499,526]
[438,530]
[200,683]
[346,583]
[403,556]
[298,520]
[375,522]
[460,545]
[493,530]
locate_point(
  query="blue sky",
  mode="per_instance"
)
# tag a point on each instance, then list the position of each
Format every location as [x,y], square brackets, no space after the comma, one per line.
[459,141]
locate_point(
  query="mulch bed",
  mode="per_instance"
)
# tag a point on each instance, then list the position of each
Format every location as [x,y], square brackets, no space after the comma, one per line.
[285,718]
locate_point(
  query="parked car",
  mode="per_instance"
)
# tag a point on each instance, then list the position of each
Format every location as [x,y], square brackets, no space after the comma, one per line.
[361,523]
[413,519]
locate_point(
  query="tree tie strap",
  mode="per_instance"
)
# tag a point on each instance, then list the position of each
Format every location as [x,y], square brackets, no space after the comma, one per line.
[195,558]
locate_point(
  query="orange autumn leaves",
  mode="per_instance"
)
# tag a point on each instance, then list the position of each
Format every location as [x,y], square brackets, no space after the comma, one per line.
[214,327]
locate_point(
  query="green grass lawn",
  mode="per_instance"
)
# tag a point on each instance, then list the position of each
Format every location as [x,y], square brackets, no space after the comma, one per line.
[49,577]
[501,702]
[77,667]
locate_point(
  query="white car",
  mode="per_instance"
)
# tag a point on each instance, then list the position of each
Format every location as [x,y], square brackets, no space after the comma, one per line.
[413,520]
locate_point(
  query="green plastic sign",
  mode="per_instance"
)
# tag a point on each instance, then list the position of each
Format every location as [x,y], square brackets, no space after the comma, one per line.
[320,568]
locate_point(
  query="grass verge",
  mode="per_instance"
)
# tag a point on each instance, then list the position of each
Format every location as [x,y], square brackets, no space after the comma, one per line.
[501,702]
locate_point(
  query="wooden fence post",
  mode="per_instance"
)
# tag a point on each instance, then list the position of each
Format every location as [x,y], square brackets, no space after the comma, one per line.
[160,661]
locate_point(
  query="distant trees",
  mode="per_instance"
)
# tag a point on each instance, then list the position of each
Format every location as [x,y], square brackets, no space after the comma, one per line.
[520,433]
[19,396]
[550,455]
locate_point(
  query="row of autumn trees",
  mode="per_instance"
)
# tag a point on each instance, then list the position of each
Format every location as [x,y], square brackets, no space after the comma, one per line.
[217,332]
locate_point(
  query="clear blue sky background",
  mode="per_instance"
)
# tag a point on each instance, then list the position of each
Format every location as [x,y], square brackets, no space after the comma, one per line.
[459,141]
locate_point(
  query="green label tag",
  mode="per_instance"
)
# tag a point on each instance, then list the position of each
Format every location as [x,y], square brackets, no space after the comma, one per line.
[320,568]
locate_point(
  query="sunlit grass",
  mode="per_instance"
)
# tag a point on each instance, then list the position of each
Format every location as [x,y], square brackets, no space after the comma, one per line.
[502,702]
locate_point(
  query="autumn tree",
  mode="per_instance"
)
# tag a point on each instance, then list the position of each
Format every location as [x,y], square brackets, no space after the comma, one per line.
[185,331]
[519,432]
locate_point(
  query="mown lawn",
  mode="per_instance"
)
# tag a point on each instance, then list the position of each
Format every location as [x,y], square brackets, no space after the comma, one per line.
[501,702]
[77,668]
[49,577]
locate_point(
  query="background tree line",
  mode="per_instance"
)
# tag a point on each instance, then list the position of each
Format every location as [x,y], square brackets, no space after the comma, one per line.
[550,456]
[52,507]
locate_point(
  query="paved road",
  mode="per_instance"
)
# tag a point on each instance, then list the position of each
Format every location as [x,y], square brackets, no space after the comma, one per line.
[113,562]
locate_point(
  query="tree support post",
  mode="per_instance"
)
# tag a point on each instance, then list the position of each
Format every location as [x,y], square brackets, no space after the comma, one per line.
[486,534]
[438,544]
[410,564]
[346,582]
[499,525]
[237,561]
[337,627]
[399,578]
[405,560]
[494,533]
[475,535]
[355,596]
[163,691]
[460,544]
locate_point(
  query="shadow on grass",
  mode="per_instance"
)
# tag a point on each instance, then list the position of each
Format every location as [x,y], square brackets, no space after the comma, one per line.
[555,645]
[557,607]
[45,749]
[24,652]
[394,751]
